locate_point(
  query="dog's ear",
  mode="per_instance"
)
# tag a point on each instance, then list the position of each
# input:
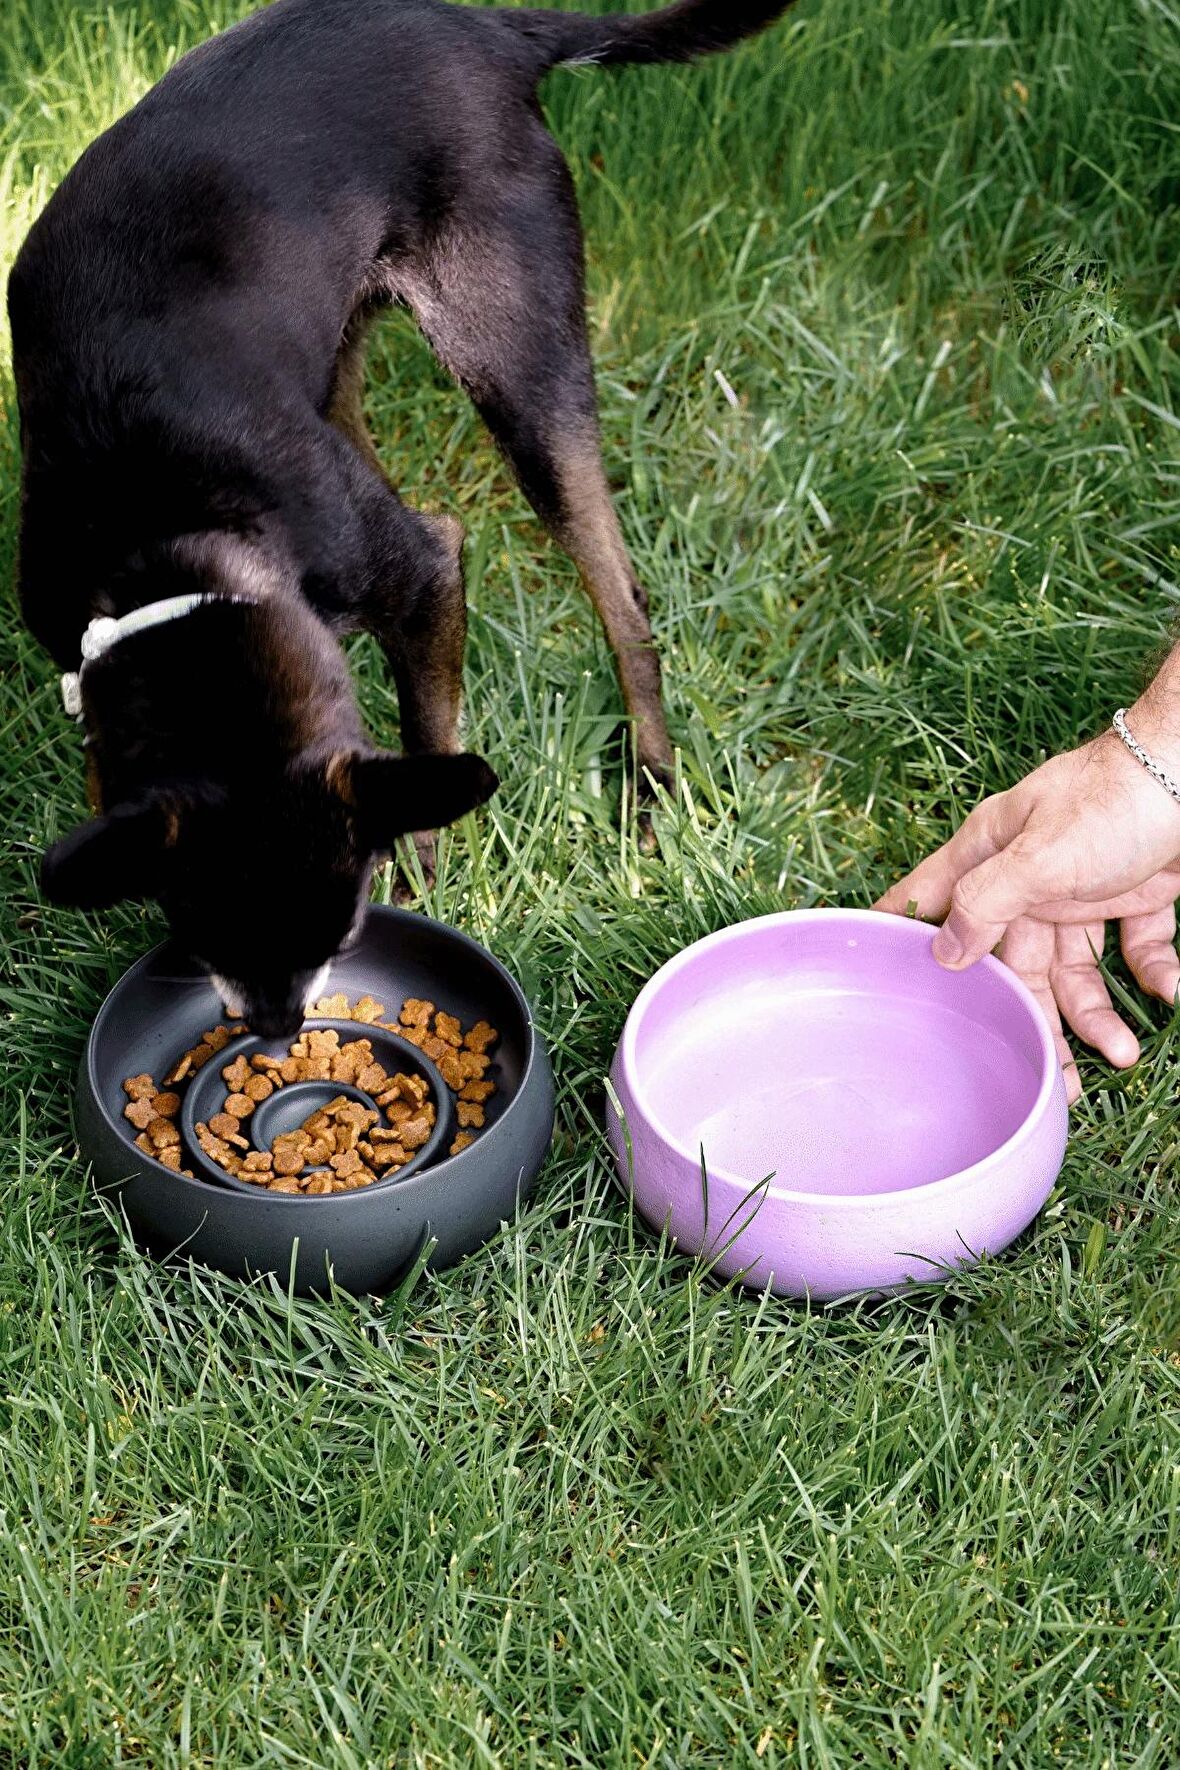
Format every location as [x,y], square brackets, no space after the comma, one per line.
[110,858]
[392,795]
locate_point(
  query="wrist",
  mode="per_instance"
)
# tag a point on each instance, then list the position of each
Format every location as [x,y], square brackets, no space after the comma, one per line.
[1154,752]
[1154,720]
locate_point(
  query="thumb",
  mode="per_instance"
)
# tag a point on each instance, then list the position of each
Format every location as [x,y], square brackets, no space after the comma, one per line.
[985,901]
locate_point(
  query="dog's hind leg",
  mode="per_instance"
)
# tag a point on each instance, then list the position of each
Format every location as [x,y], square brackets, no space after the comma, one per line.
[558,459]
[502,304]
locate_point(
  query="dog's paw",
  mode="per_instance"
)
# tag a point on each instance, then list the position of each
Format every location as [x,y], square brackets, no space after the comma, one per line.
[407,885]
[653,777]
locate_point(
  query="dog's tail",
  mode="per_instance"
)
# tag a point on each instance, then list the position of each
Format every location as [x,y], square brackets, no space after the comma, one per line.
[675,33]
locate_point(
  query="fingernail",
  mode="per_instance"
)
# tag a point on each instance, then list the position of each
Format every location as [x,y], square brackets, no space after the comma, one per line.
[948,948]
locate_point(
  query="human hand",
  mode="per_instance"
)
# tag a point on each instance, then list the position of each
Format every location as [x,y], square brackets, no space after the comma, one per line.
[1038,872]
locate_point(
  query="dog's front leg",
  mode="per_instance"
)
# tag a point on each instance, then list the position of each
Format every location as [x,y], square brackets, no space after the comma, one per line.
[423,633]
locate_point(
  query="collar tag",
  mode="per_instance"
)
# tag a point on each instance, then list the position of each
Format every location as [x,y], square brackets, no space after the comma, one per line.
[99,637]
[71,694]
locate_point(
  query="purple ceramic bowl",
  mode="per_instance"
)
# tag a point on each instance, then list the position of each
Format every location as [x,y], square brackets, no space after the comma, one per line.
[812,1102]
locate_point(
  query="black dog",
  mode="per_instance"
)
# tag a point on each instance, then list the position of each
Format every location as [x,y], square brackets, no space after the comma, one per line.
[189,317]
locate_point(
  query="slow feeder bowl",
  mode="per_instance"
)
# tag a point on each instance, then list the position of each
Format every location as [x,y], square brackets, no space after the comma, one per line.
[811,1102]
[288,1107]
[367,1238]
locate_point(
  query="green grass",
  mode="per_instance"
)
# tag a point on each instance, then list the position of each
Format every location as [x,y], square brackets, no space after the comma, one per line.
[885,312]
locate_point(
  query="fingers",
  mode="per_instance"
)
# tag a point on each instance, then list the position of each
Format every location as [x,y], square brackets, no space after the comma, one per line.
[986,901]
[931,885]
[1083,997]
[1149,947]
[1028,948]
[983,879]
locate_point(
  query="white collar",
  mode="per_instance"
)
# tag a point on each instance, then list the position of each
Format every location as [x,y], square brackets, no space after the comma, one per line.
[104,632]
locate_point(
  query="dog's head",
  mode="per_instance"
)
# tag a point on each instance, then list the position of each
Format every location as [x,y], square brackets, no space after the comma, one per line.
[265,882]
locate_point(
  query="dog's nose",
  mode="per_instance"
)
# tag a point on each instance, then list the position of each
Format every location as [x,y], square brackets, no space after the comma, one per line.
[274,1023]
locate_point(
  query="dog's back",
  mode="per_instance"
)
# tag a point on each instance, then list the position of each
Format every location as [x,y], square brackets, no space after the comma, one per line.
[243,196]
[272,164]
[200,263]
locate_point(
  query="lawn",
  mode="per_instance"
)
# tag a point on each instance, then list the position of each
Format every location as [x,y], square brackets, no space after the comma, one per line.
[890,363]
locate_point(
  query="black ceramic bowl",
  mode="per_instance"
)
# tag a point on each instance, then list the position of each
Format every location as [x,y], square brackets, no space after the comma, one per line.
[366,1238]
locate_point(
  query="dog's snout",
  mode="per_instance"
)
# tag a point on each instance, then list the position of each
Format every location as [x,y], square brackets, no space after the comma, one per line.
[276,1009]
[274,1023]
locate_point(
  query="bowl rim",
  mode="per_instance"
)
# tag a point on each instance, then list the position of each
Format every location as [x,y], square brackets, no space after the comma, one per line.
[210,1190]
[1051,1084]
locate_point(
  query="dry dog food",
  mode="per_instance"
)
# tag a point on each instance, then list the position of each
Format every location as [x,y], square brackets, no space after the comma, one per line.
[152,1110]
[343,1146]
[340,1147]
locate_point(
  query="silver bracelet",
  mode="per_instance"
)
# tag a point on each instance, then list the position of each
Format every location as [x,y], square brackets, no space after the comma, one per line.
[1141,755]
